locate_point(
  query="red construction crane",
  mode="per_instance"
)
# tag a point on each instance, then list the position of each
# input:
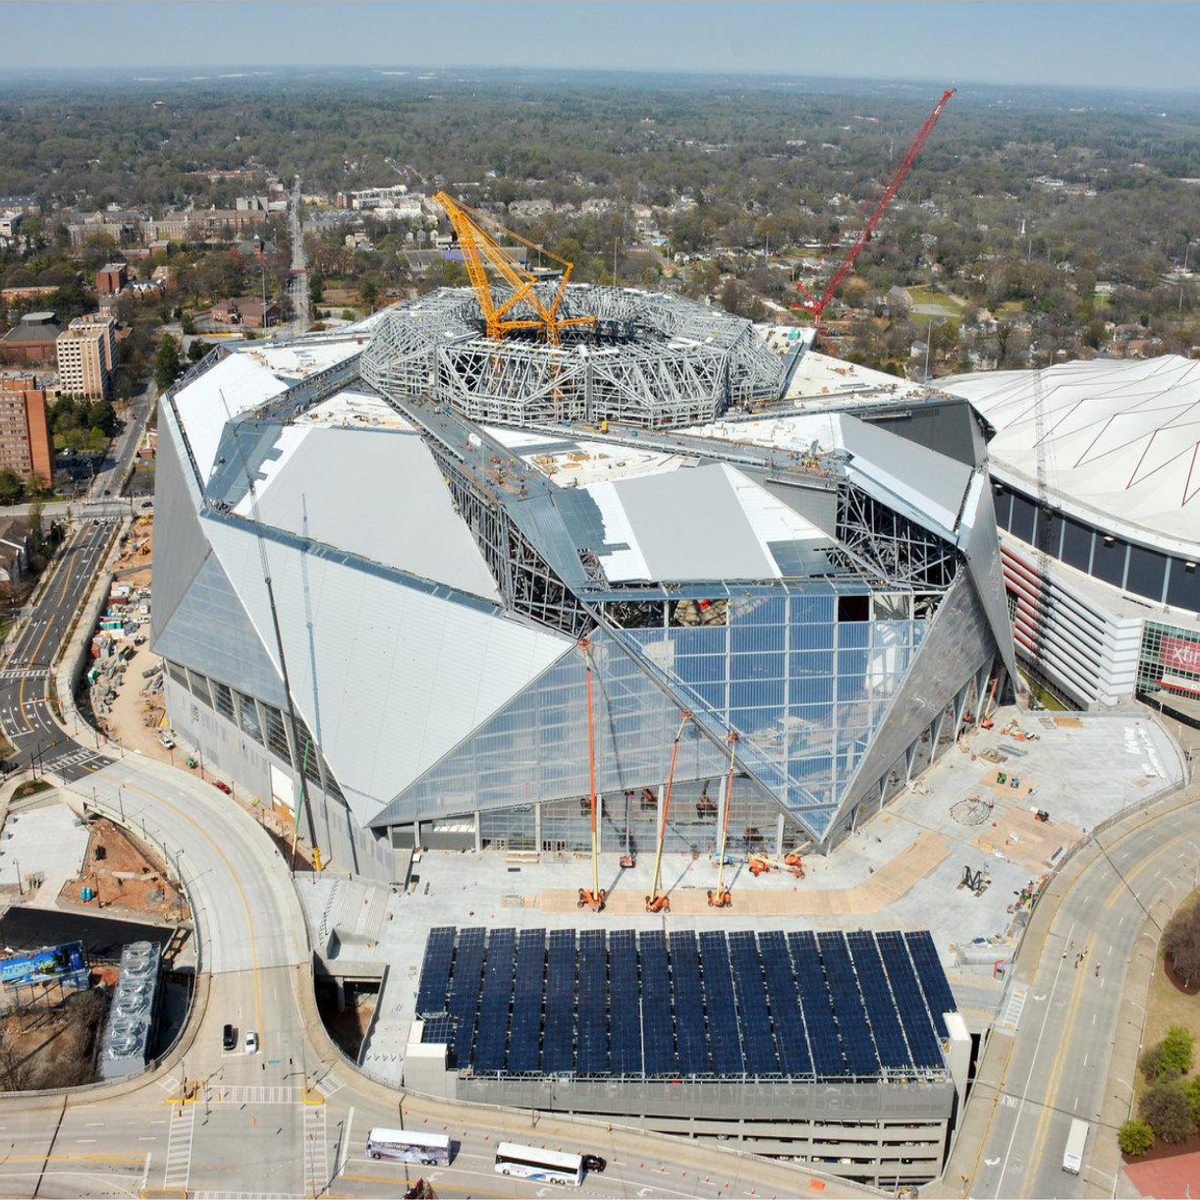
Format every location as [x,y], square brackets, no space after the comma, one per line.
[817,307]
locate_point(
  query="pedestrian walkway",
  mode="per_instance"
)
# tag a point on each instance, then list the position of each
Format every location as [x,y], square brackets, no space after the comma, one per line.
[315,1150]
[1012,1011]
[253,1094]
[179,1149]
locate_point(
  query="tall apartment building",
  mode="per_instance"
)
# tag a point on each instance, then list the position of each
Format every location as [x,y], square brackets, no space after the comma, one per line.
[87,356]
[26,446]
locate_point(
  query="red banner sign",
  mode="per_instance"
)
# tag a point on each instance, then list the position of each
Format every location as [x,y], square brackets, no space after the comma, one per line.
[1180,655]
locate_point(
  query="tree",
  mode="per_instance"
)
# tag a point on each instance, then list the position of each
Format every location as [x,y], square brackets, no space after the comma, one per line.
[187,325]
[197,349]
[166,363]
[1135,1137]
[1181,943]
[10,487]
[1193,1099]
[1178,1051]
[1165,1108]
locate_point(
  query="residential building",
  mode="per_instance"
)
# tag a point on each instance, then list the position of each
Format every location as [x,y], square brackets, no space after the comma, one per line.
[87,354]
[26,444]
[31,341]
[111,278]
[16,546]
[10,222]
[247,311]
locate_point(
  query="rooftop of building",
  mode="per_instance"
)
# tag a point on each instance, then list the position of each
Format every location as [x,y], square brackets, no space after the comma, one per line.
[1121,441]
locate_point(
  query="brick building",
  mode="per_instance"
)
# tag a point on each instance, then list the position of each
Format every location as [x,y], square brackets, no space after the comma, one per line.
[31,341]
[26,445]
[111,278]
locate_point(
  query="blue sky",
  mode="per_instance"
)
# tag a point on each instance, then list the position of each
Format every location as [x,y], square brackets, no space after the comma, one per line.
[1130,45]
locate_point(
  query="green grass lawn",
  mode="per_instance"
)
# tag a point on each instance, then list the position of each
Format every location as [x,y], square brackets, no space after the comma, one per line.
[1011,308]
[927,296]
[1166,1005]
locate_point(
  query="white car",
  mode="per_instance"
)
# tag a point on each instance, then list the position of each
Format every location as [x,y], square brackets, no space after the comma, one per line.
[251,1042]
[166,742]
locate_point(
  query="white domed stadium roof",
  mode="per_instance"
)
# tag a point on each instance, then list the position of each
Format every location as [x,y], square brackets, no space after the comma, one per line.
[1122,441]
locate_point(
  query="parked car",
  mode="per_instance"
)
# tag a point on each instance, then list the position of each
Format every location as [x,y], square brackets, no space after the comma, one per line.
[229,1038]
[222,786]
[594,1164]
[251,1042]
[166,742]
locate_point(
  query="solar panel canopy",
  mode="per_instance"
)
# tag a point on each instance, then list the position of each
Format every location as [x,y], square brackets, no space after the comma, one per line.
[598,1003]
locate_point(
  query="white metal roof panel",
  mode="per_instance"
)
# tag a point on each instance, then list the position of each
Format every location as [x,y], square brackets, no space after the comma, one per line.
[401,675]
[710,522]
[235,385]
[376,493]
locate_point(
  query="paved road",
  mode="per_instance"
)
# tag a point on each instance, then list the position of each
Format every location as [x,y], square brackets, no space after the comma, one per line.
[26,718]
[257,1109]
[298,280]
[1056,1067]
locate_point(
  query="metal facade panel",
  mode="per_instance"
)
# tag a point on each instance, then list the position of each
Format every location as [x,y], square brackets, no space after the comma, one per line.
[377,493]
[388,677]
[981,548]
[929,485]
[958,643]
[210,632]
[179,554]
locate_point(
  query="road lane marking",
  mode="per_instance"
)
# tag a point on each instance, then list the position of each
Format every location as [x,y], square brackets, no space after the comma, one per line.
[346,1139]
[237,883]
[1032,1067]
[1049,1103]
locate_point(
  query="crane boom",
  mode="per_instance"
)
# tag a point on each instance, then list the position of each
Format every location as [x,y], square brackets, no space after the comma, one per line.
[817,306]
[480,250]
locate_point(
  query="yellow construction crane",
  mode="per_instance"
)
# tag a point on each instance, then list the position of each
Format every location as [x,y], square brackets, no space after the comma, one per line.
[481,251]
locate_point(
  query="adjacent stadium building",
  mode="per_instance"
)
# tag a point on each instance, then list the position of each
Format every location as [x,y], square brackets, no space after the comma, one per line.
[1101,569]
[389,560]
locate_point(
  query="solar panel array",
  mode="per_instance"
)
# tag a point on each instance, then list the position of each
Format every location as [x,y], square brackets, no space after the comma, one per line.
[601,1003]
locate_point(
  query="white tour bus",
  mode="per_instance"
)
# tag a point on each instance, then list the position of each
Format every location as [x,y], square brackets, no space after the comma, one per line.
[549,1166]
[432,1149]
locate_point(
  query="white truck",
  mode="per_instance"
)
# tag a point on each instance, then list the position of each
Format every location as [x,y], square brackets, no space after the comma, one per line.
[1076,1141]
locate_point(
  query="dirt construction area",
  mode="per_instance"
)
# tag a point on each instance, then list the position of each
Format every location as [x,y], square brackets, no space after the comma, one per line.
[123,878]
[51,1046]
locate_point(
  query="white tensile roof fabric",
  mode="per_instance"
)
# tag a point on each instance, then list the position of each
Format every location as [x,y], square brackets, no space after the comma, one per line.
[1122,439]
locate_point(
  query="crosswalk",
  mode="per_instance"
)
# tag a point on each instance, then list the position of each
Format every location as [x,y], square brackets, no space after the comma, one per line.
[241,1196]
[253,1094]
[179,1148]
[76,758]
[1012,1012]
[329,1085]
[315,1149]
[24,673]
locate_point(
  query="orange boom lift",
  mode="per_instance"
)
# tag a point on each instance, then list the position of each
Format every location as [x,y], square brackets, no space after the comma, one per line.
[596,897]
[720,897]
[656,902]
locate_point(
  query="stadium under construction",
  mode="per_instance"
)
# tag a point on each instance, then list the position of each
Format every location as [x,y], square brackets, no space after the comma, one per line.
[442,590]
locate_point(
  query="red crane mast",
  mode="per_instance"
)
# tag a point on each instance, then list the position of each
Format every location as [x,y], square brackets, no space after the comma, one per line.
[816,307]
